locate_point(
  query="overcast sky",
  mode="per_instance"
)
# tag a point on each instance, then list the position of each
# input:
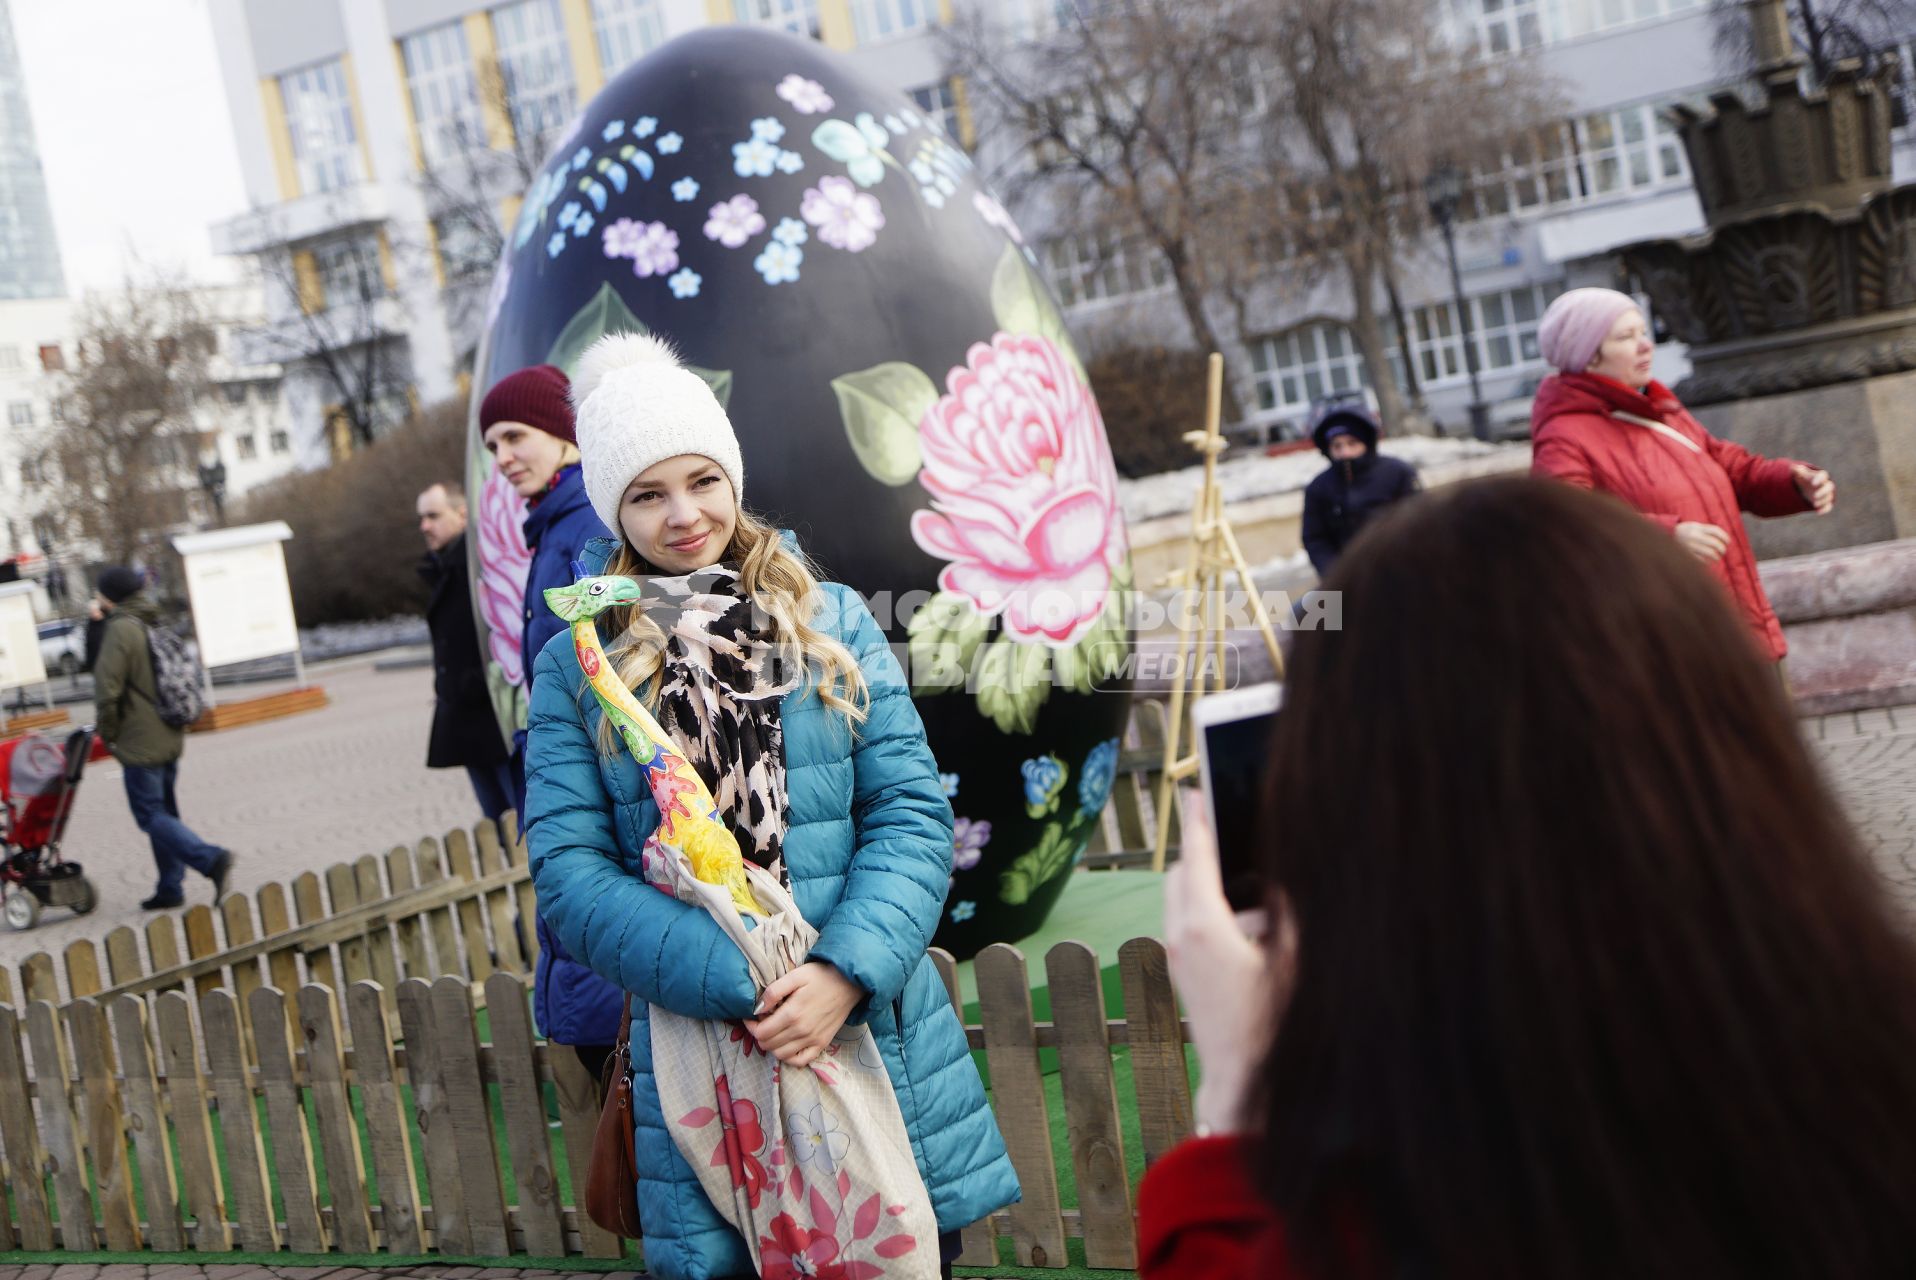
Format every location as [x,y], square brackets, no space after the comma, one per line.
[133,133]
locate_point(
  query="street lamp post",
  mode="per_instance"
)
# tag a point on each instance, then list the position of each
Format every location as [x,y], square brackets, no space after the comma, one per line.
[1444,191]
[213,480]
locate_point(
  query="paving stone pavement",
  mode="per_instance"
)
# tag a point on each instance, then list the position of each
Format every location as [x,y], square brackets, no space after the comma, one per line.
[1870,760]
[287,796]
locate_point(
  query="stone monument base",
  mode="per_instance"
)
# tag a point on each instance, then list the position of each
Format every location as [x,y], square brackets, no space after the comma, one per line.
[1863,433]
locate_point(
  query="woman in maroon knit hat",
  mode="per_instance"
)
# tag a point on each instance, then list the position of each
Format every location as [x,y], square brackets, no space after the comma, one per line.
[527,422]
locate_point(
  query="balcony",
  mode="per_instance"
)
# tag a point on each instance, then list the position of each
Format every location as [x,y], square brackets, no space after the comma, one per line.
[307,218]
[291,338]
[1596,229]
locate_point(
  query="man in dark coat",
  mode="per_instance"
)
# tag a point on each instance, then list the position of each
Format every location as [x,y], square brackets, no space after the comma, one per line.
[464,730]
[1356,486]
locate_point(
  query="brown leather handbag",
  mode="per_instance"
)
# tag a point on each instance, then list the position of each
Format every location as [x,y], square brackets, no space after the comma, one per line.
[612,1182]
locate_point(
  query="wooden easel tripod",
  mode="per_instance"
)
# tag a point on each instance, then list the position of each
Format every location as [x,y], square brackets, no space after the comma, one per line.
[1214,555]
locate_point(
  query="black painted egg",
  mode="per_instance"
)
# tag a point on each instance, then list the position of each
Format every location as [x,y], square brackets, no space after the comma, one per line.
[905,394]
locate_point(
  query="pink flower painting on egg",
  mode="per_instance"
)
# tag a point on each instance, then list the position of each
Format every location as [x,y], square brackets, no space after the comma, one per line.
[504,562]
[1024,491]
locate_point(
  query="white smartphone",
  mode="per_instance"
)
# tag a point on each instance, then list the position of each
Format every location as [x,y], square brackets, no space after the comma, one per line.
[1234,749]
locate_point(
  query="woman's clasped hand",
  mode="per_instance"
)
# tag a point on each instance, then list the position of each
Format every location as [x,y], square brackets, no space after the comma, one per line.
[801,1013]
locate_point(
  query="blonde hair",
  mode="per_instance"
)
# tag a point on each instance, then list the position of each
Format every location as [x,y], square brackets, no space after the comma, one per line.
[774,579]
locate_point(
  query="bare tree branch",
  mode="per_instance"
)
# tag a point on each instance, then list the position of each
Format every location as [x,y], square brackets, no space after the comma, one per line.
[1825,33]
[125,445]
[1248,146]
[339,334]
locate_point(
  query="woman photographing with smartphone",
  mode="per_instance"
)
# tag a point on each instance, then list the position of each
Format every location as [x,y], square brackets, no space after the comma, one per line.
[1596,982]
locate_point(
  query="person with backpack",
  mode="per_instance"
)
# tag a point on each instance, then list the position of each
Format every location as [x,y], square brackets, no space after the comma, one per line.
[145,693]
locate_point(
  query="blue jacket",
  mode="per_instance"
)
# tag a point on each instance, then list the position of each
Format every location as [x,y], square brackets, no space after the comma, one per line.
[869,852]
[572,1004]
[557,531]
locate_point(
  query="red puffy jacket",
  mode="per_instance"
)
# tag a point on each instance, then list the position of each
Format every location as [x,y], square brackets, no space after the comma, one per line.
[1577,436]
[1201,1217]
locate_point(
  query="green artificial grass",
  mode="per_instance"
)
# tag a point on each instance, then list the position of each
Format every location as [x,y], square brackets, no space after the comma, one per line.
[589,1266]
[366,1260]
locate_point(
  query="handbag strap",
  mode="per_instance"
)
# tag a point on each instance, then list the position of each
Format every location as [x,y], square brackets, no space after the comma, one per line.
[1662,427]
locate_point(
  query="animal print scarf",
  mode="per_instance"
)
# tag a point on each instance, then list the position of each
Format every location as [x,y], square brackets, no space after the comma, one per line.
[719,692]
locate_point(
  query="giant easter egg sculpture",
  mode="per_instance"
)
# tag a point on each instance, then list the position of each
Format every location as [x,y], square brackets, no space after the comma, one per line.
[905,393]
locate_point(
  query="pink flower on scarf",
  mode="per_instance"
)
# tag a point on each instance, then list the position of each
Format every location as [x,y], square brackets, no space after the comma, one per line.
[1024,492]
[741,1139]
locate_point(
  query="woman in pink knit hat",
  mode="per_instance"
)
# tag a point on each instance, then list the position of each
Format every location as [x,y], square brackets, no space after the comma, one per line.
[1602,422]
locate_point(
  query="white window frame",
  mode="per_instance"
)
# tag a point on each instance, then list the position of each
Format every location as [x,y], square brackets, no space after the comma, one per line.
[1604,155]
[879,20]
[321,128]
[1102,268]
[1630,149]
[626,30]
[1294,369]
[20,413]
[1499,28]
[455,240]
[800,17]
[336,262]
[1436,338]
[444,92]
[535,62]
[939,104]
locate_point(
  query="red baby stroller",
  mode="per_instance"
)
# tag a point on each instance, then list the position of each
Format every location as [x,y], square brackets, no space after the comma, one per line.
[38,779]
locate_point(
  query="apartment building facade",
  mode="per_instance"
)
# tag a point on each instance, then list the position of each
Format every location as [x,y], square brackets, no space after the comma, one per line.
[369,130]
[384,143]
[1611,172]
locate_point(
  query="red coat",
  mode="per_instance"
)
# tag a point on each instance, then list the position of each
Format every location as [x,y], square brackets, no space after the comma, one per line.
[1200,1218]
[1576,437]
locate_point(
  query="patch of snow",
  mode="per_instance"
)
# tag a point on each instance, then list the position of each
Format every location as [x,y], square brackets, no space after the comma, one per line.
[342,639]
[1254,475]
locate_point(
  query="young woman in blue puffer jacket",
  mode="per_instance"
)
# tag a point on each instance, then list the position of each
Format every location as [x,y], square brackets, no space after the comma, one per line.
[786,697]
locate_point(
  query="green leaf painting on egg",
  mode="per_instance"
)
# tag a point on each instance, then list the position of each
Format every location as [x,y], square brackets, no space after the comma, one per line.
[944,636]
[1057,852]
[882,407]
[607,313]
[1022,304]
[1013,680]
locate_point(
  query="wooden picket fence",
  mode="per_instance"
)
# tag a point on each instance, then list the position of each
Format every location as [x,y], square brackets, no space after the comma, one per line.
[438,908]
[106,1092]
[446,907]
[221,1048]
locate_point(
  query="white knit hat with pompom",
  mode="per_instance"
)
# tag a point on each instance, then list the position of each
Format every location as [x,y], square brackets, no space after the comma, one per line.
[637,404]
